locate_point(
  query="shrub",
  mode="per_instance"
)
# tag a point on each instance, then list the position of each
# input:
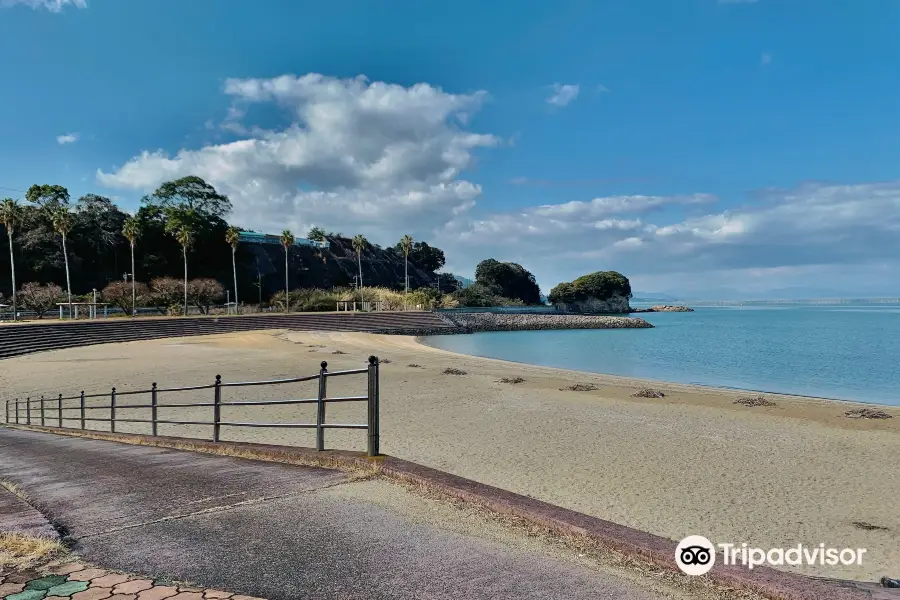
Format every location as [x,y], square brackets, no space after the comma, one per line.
[167,294]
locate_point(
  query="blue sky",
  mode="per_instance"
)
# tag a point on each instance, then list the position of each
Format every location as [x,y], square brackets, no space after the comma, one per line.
[694,145]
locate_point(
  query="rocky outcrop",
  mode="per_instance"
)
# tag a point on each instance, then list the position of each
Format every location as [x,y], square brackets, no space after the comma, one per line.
[663,308]
[615,304]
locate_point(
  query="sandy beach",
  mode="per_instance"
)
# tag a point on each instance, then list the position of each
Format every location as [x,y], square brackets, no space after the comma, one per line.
[693,462]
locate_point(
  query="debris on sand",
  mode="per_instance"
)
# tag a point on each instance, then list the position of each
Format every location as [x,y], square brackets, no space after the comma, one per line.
[865,526]
[752,401]
[579,387]
[512,380]
[867,413]
[414,366]
[339,352]
[454,372]
[648,393]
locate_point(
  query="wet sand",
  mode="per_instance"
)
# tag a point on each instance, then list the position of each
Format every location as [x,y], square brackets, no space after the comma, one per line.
[693,462]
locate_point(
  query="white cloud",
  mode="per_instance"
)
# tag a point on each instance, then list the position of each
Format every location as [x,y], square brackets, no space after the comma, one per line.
[765,59]
[809,230]
[54,6]
[563,94]
[69,138]
[364,156]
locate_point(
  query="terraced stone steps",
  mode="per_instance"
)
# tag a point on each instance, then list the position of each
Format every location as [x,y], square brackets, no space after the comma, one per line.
[18,339]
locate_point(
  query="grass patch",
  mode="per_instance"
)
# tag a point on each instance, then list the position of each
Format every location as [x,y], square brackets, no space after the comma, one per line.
[18,551]
[511,380]
[648,393]
[752,401]
[867,413]
[451,371]
[579,387]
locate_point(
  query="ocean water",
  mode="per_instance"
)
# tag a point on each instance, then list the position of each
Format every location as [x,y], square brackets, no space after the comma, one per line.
[848,352]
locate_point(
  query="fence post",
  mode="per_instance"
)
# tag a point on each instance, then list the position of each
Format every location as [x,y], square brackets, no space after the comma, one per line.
[82,409]
[112,411]
[28,410]
[153,408]
[42,410]
[373,406]
[217,409]
[59,410]
[17,411]
[320,408]
[7,412]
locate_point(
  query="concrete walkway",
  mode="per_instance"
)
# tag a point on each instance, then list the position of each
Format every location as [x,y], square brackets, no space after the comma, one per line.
[280,531]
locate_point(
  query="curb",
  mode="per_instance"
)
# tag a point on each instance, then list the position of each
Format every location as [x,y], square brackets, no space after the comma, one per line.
[656,550]
[18,516]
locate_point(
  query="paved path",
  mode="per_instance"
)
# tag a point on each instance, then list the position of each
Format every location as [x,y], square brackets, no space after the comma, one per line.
[276,531]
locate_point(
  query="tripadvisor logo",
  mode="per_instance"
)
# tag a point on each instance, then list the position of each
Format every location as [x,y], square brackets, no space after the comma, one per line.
[696,555]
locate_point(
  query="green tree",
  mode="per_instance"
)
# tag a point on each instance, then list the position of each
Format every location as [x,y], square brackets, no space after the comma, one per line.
[406,245]
[11,217]
[233,237]
[287,240]
[190,193]
[511,279]
[359,244]
[48,197]
[132,231]
[62,223]
[316,234]
[427,258]
[181,224]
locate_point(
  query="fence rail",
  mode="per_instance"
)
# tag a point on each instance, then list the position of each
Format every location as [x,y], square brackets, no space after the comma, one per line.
[53,408]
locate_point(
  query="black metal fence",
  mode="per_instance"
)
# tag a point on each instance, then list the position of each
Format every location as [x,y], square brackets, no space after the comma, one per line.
[49,410]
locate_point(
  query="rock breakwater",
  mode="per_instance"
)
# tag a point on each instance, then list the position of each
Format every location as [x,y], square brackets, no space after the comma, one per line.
[663,308]
[478,322]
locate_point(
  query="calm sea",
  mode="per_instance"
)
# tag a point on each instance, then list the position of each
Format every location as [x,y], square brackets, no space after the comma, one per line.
[848,352]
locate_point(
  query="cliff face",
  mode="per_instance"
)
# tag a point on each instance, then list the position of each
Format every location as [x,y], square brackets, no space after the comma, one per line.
[615,304]
[310,267]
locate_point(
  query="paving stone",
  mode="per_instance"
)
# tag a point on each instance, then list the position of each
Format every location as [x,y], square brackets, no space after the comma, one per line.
[28,595]
[56,598]
[45,583]
[94,593]
[110,580]
[158,593]
[10,588]
[87,575]
[67,568]
[133,587]
[188,596]
[210,594]
[21,577]
[246,598]
[68,588]
[121,597]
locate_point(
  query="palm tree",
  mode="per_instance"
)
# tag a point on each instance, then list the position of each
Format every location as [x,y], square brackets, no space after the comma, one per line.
[287,240]
[10,216]
[62,223]
[359,244]
[132,231]
[406,243]
[180,223]
[233,237]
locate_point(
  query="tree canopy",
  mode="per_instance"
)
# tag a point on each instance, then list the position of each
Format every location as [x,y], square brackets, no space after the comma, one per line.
[427,258]
[190,193]
[48,197]
[511,280]
[601,285]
